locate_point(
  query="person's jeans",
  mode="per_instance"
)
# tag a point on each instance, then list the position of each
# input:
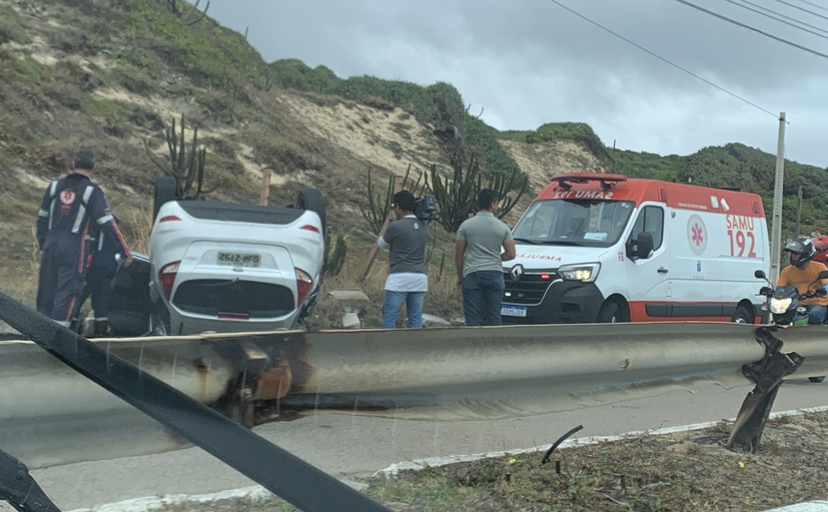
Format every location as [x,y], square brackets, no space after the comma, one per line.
[482,297]
[392,303]
[817,314]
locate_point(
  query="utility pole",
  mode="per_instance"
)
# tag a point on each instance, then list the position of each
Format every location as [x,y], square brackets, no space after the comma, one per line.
[776,229]
[797,232]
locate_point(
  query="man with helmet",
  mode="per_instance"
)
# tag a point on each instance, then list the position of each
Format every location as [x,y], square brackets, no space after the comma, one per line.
[801,273]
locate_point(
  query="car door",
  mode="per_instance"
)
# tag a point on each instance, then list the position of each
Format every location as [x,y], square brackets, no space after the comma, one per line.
[130,305]
[648,279]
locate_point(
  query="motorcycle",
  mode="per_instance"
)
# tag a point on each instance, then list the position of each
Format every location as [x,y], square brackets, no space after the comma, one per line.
[785,304]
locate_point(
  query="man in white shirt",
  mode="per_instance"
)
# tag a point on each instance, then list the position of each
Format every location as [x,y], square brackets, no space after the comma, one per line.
[407,280]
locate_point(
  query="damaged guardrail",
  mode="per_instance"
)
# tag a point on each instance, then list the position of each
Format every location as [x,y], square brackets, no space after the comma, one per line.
[277,470]
[443,374]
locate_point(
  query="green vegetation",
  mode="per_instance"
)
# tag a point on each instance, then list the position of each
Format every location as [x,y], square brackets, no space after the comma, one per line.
[336,250]
[457,196]
[10,28]
[742,167]
[578,132]
[186,166]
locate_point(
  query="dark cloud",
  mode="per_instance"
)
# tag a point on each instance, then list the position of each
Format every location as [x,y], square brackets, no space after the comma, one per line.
[528,62]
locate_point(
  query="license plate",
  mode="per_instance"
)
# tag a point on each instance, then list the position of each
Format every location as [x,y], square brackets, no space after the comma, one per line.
[512,311]
[235,259]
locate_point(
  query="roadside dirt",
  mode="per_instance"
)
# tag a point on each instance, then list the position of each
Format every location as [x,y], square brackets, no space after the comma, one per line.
[690,471]
[387,139]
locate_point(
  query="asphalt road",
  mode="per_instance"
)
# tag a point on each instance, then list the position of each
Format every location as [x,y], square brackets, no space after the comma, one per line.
[344,444]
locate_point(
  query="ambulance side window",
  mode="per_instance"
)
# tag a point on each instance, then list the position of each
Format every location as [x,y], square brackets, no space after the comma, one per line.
[651,219]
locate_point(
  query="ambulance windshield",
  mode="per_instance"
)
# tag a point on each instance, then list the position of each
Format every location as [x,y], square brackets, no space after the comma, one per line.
[591,223]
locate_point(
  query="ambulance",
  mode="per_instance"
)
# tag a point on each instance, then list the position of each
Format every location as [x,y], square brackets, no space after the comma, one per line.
[596,248]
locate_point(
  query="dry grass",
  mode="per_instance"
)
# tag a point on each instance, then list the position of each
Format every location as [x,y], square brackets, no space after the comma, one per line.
[18,276]
[140,222]
[687,472]
[443,298]
[20,263]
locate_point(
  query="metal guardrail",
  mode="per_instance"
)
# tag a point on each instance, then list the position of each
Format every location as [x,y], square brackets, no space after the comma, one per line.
[444,374]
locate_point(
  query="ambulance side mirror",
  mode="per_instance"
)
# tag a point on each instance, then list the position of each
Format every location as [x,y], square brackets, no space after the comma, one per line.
[641,247]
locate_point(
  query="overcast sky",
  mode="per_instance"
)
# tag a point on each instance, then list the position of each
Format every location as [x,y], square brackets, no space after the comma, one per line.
[528,62]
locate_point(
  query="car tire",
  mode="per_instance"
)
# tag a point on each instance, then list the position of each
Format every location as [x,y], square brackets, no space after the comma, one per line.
[165,191]
[313,200]
[610,313]
[742,316]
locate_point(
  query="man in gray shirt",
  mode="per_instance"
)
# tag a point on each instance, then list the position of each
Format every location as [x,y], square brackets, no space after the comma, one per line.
[479,239]
[407,280]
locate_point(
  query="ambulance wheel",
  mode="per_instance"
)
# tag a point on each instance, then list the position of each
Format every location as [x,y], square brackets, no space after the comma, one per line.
[313,200]
[165,191]
[742,316]
[611,312]
[816,379]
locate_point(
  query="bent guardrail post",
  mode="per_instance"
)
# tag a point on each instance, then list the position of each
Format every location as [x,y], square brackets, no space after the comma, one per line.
[277,470]
[768,375]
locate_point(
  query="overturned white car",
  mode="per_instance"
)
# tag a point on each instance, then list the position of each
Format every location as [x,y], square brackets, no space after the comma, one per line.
[227,267]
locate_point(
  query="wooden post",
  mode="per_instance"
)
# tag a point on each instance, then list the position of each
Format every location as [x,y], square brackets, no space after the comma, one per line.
[265,197]
[398,182]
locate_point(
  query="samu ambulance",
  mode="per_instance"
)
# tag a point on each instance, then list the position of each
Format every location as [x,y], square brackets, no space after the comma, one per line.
[596,248]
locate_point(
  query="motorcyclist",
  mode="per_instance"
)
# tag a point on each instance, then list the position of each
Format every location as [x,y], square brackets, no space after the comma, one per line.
[801,273]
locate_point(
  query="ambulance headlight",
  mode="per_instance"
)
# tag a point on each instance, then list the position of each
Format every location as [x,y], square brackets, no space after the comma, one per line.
[584,273]
[779,306]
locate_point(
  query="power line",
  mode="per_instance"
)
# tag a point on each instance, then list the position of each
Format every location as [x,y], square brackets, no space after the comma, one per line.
[708,82]
[780,15]
[804,9]
[795,45]
[815,5]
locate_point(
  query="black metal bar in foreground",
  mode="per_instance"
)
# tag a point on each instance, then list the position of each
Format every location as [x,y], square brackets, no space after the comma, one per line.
[19,489]
[282,473]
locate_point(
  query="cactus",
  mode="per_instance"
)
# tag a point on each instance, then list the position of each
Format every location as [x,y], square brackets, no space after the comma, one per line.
[379,206]
[263,82]
[186,166]
[335,253]
[457,195]
[503,184]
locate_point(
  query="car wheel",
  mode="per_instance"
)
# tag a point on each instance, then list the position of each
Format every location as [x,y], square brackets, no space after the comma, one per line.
[742,316]
[313,200]
[165,191]
[610,313]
